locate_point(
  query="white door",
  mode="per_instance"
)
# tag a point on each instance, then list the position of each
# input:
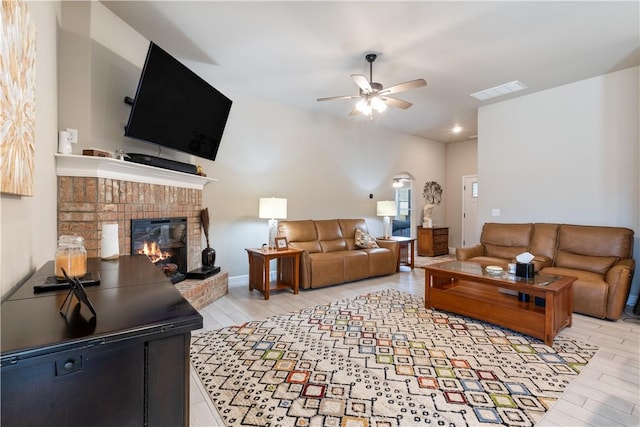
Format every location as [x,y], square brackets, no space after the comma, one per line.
[470,226]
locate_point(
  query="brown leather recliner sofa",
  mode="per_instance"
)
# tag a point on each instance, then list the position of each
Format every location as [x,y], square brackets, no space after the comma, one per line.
[330,254]
[599,257]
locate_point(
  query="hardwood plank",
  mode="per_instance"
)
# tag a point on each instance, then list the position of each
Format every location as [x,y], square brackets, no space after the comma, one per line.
[587,392]
[581,416]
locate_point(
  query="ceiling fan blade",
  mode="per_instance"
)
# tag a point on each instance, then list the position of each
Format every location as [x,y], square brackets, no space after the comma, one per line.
[395,102]
[338,97]
[413,84]
[362,82]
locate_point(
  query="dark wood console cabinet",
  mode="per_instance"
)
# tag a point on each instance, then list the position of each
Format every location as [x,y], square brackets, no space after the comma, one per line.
[433,241]
[129,368]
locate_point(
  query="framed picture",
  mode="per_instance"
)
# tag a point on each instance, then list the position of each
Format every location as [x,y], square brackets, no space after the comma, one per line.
[17,84]
[281,243]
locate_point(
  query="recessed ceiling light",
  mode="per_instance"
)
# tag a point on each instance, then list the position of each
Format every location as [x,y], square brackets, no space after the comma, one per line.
[456,129]
[501,90]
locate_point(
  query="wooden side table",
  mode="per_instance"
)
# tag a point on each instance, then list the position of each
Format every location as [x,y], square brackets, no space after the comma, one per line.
[433,241]
[406,254]
[260,276]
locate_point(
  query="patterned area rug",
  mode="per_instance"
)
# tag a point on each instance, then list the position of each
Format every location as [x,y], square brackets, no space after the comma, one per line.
[382,360]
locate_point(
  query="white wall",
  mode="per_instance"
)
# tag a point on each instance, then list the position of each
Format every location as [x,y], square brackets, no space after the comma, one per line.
[324,167]
[101,58]
[566,155]
[28,224]
[462,159]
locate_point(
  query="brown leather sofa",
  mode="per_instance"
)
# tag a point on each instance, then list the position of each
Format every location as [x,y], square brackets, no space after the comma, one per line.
[330,255]
[599,257]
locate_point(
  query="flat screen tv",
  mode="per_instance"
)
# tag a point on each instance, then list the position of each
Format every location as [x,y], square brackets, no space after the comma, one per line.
[175,108]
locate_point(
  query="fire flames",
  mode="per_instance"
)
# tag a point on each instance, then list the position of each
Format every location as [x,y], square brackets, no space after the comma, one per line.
[153,251]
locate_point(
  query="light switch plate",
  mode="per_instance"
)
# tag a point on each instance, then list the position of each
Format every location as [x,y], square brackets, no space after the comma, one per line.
[495,212]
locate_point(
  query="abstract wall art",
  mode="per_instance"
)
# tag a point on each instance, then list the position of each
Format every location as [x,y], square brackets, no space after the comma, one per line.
[17,98]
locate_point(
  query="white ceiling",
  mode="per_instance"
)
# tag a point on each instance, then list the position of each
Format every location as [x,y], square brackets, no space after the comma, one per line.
[295,52]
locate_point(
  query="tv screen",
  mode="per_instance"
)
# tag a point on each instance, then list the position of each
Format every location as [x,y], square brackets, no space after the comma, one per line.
[175,108]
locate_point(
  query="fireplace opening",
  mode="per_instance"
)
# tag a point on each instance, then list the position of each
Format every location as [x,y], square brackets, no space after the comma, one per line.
[164,241]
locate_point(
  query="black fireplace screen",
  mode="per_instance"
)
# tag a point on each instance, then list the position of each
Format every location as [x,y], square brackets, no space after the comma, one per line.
[164,241]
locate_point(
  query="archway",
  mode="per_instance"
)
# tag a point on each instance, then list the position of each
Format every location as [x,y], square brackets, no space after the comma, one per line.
[402,224]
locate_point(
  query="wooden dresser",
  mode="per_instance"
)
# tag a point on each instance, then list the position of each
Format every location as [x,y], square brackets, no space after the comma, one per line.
[128,368]
[433,241]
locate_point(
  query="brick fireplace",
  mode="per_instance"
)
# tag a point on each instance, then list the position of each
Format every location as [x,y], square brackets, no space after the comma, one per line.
[93,191]
[85,203]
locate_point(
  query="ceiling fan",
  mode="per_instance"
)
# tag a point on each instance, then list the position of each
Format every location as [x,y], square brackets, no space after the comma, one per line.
[374,97]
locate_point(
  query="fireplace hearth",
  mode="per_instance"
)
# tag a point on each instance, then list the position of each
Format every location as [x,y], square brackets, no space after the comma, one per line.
[164,242]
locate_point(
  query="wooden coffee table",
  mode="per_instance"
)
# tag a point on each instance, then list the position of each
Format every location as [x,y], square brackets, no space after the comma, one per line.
[466,288]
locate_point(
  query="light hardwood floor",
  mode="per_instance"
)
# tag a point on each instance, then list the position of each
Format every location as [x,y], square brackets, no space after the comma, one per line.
[607,392]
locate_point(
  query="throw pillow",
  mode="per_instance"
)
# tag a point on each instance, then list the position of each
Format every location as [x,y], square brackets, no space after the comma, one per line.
[364,240]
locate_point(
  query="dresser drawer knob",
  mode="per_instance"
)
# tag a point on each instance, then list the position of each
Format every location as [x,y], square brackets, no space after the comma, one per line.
[68,365]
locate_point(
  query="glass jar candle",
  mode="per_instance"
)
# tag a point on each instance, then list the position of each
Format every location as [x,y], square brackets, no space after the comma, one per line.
[71,256]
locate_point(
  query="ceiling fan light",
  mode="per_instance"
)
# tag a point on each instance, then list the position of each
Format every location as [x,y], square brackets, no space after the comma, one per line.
[364,106]
[378,104]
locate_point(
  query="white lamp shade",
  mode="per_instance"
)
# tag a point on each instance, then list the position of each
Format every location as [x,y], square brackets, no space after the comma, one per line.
[387,208]
[272,208]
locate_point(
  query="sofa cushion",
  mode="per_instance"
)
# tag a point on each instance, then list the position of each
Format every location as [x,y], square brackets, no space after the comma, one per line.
[349,227]
[326,268]
[300,235]
[592,248]
[544,240]
[333,245]
[589,290]
[595,264]
[596,241]
[365,240]
[311,247]
[505,240]
[330,235]
[328,229]
[303,231]
[382,261]
[356,265]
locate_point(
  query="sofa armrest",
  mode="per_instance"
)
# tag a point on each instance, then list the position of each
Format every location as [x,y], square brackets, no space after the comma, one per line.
[305,270]
[619,280]
[389,244]
[540,262]
[467,253]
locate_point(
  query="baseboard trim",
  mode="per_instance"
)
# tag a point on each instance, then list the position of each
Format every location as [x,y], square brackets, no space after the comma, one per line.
[237,281]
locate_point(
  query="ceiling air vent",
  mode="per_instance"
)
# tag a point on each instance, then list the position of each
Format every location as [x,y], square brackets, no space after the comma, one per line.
[496,91]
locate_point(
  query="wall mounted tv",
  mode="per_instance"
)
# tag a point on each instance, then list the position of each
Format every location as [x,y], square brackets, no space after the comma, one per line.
[175,108]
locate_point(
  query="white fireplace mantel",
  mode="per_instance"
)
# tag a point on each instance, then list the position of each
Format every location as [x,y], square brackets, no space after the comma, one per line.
[105,167]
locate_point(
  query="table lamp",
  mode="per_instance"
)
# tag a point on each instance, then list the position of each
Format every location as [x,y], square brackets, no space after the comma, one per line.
[387,209]
[272,209]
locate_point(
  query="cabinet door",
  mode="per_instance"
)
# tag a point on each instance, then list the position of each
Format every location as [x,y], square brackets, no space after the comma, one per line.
[102,386]
[168,381]
[425,241]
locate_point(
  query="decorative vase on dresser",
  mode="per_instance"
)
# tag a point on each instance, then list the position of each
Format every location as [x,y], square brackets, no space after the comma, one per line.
[433,241]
